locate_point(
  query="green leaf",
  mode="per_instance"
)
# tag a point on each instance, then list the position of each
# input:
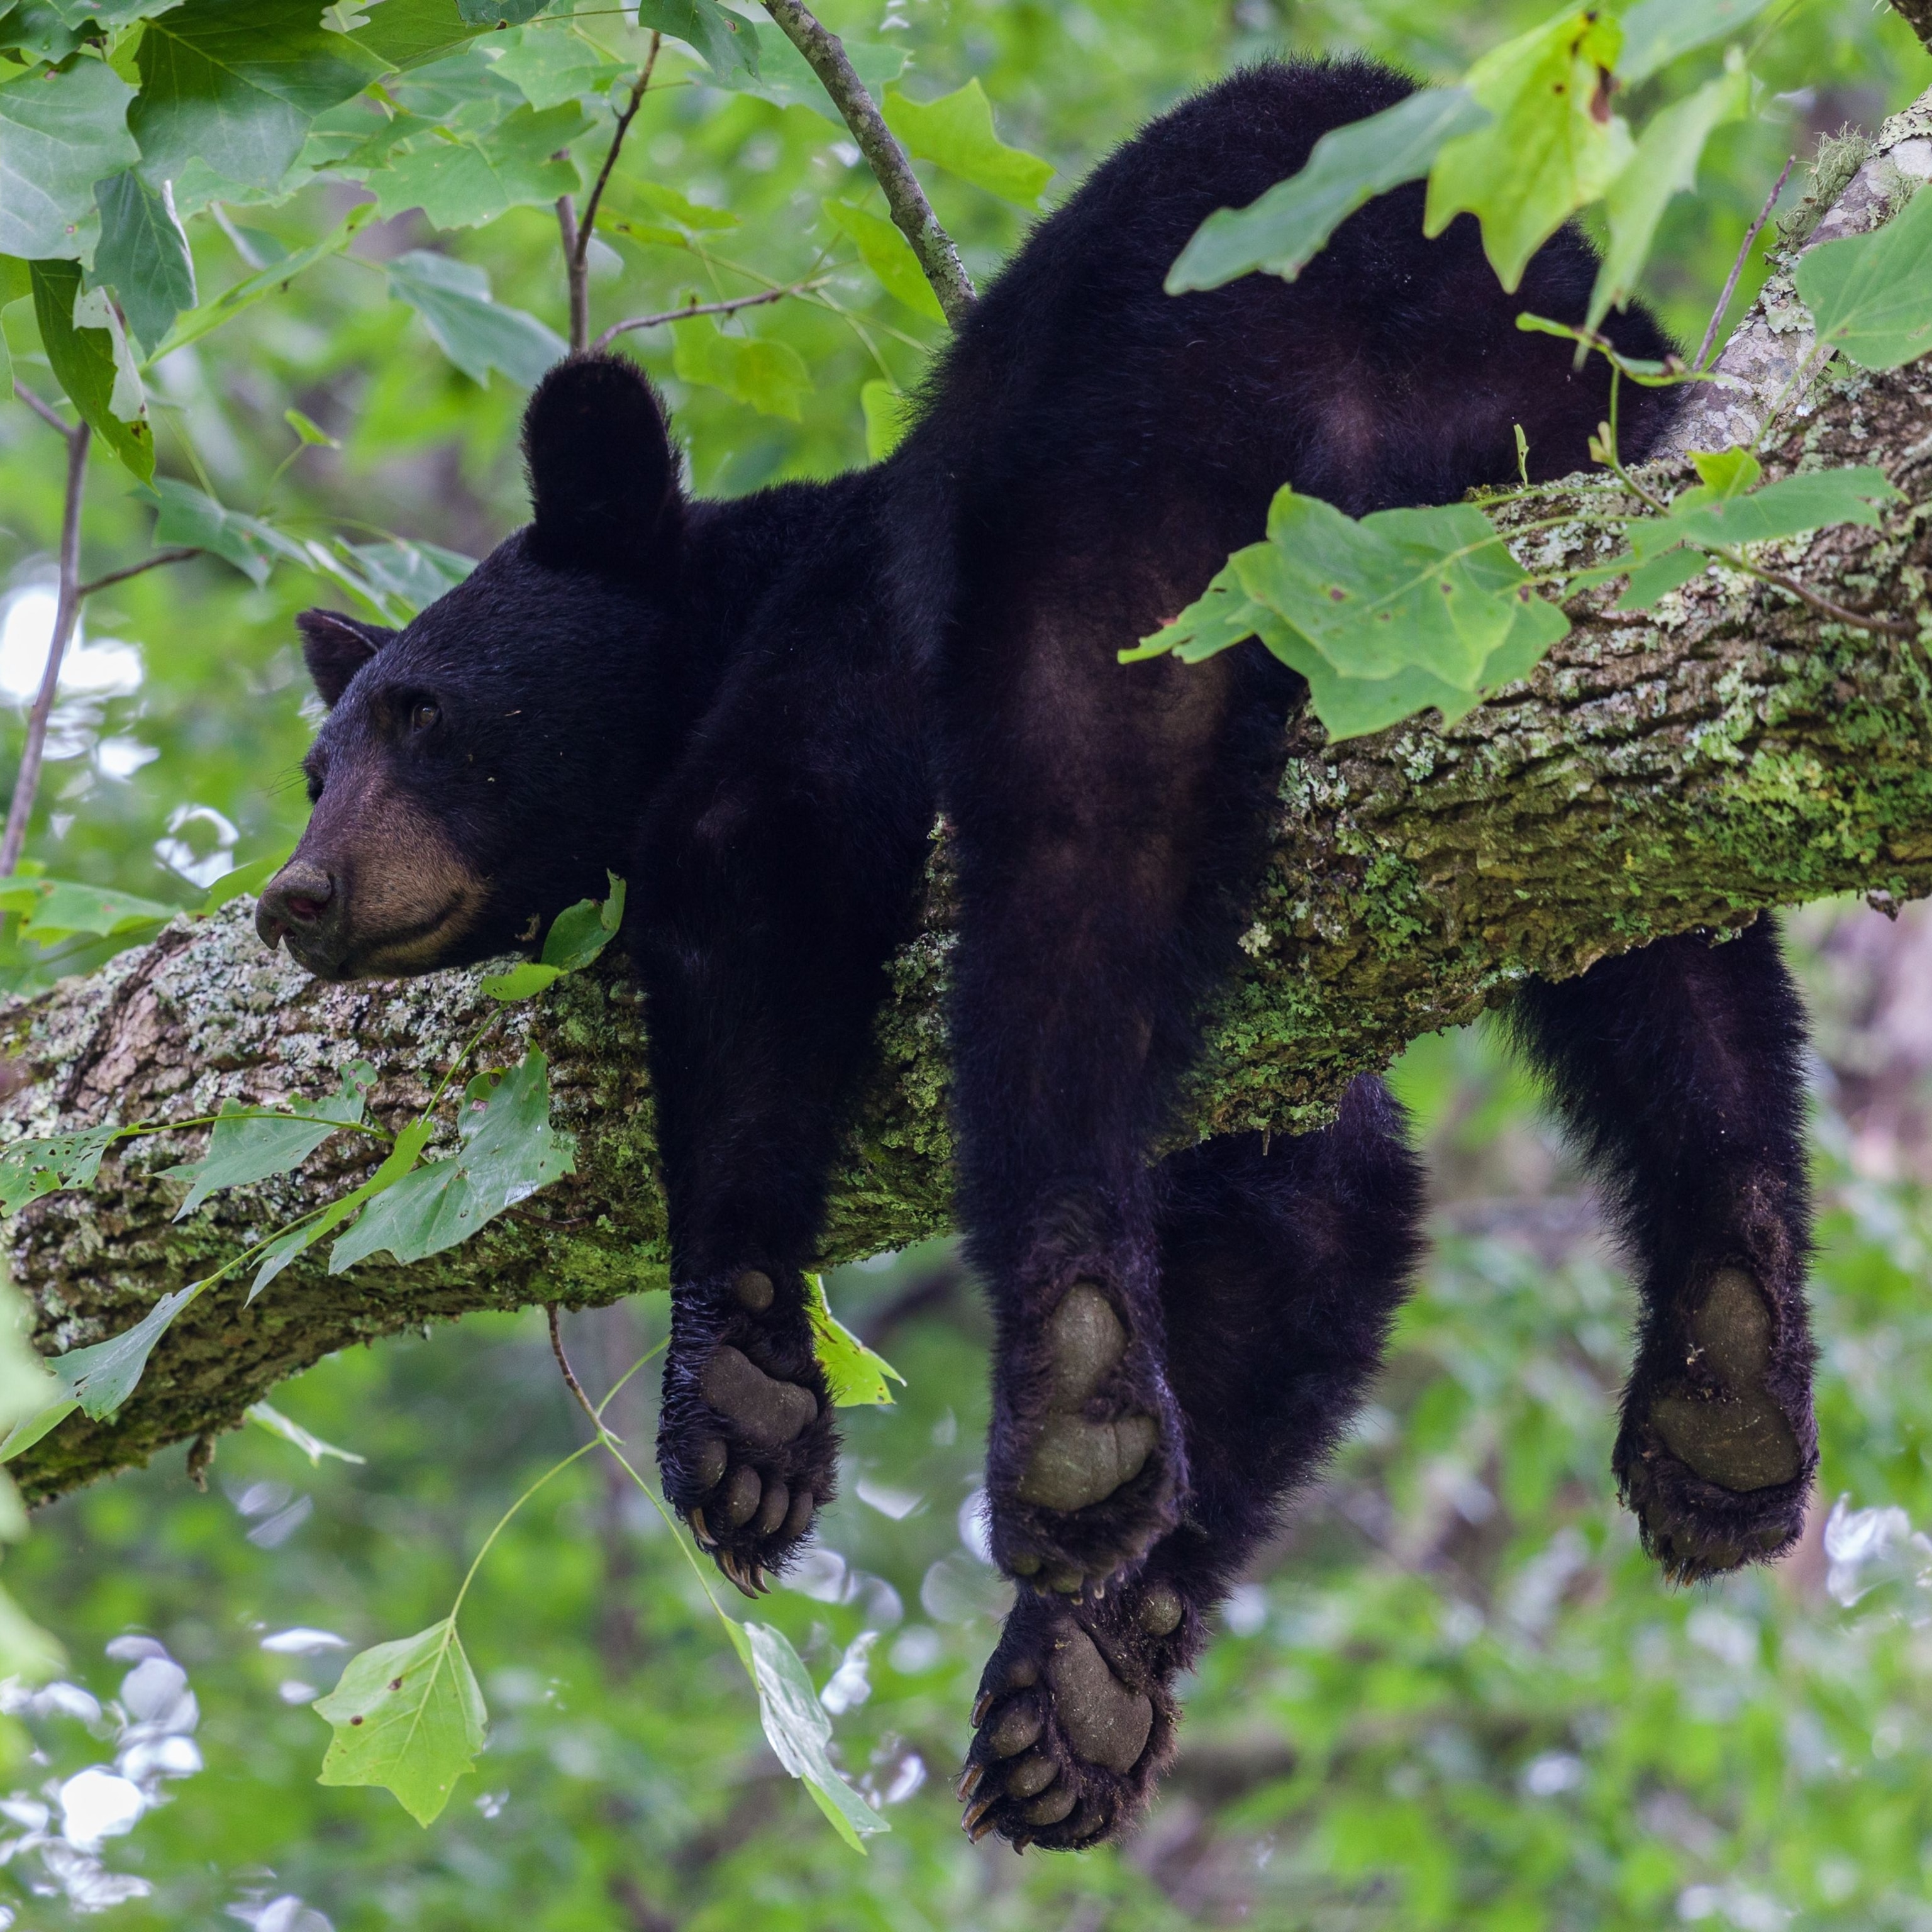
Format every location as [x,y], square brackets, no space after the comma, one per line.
[1222,616]
[1870,295]
[785,78]
[1727,472]
[1284,229]
[143,255]
[233,85]
[500,13]
[1656,32]
[298,1240]
[197,323]
[409,1717]
[579,933]
[549,67]
[476,332]
[248,879]
[466,179]
[37,28]
[413,33]
[522,982]
[249,1144]
[728,45]
[312,1446]
[1664,164]
[888,255]
[798,1730]
[83,359]
[29,1168]
[1650,581]
[413,575]
[857,1375]
[111,14]
[956,131]
[509,1151]
[1553,145]
[888,416]
[26,1650]
[188,518]
[55,909]
[1815,501]
[311,433]
[770,375]
[101,1378]
[628,195]
[60,133]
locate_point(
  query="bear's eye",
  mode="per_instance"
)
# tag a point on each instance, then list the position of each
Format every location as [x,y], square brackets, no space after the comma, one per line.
[422,716]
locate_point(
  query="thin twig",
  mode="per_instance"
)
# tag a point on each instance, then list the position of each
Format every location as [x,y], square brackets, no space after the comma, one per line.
[576,278]
[153,562]
[570,1374]
[1892,626]
[577,230]
[638,89]
[731,307]
[28,781]
[906,199]
[1737,267]
[45,410]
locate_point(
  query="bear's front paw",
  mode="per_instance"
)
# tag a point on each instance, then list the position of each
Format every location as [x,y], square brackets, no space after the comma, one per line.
[746,1445]
[1718,1447]
[1090,1481]
[1075,1718]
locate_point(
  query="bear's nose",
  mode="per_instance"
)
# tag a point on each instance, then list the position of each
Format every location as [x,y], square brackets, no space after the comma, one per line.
[299,901]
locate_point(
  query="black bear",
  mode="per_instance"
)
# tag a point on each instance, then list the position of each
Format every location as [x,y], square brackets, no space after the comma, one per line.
[754,710]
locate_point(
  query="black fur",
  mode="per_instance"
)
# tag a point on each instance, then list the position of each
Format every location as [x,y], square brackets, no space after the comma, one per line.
[754,710]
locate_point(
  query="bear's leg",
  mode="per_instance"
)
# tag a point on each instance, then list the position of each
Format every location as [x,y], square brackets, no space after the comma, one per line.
[1282,1266]
[774,879]
[1678,1069]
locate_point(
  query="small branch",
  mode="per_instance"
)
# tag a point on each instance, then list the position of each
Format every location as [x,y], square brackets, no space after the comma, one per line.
[1892,627]
[570,1374]
[576,274]
[731,307]
[1919,17]
[155,563]
[638,87]
[910,210]
[28,780]
[45,410]
[1737,266]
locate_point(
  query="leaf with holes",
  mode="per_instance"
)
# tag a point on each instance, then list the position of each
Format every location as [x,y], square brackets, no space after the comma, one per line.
[1283,231]
[798,1731]
[409,1717]
[251,1143]
[60,133]
[956,131]
[29,1168]
[1552,146]
[509,1151]
[1871,295]
[471,327]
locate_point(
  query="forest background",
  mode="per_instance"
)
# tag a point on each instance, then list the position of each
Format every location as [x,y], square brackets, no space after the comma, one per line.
[1453,1692]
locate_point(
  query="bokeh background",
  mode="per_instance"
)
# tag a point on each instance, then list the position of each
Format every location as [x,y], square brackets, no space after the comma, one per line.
[1451,1693]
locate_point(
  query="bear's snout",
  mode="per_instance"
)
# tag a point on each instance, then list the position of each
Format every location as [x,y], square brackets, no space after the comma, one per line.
[300,903]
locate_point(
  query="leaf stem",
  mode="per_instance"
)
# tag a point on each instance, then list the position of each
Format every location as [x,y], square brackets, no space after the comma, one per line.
[503,1521]
[911,212]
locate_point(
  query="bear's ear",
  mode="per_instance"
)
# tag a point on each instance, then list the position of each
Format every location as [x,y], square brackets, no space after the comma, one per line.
[603,477]
[335,647]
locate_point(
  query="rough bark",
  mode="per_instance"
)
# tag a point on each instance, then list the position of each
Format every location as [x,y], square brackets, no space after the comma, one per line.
[1731,751]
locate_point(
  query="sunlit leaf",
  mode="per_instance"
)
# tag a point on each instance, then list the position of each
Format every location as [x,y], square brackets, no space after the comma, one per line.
[408,1717]
[471,327]
[59,134]
[1284,230]
[857,1375]
[769,375]
[143,255]
[956,131]
[102,1377]
[1870,295]
[888,255]
[798,1731]
[1664,164]
[1553,145]
[311,1445]
[229,87]
[469,178]
[508,1150]
[522,982]
[248,1144]
[83,359]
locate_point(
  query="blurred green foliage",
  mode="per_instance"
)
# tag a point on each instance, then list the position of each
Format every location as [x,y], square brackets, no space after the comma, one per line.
[1454,1694]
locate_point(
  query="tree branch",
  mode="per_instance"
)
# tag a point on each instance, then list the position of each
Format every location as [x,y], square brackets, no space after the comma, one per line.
[27,780]
[159,558]
[910,211]
[731,307]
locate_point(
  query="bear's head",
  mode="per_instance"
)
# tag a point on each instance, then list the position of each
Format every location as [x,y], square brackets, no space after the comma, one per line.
[480,768]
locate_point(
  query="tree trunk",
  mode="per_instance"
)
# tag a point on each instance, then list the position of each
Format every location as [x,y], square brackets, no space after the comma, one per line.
[1730,752]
